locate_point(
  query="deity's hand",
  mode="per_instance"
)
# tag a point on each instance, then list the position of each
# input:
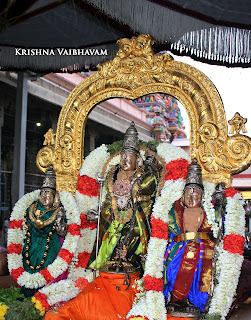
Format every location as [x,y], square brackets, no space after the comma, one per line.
[61,225]
[92,215]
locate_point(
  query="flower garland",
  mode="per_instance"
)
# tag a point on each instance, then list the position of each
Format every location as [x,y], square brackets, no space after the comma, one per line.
[55,294]
[231,257]
[151,304]
[207,204]
[87,197]
[16,237]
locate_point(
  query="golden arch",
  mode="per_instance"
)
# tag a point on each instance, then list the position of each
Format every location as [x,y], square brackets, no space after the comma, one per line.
[136,71]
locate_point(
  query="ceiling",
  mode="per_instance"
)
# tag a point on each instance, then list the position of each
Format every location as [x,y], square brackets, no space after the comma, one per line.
[215,31]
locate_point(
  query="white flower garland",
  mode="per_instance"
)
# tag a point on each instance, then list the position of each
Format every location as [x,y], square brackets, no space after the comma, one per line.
[92,166]
[152,304]
[235,220]
[17,236]
[94,163]
[63,290]
[229,264]
[170,153]
[209,189]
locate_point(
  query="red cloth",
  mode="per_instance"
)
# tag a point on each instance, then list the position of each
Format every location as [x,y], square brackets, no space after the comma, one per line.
[100,300]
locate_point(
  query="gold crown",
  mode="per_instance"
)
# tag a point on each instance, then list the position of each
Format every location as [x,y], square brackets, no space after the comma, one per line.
[131,140]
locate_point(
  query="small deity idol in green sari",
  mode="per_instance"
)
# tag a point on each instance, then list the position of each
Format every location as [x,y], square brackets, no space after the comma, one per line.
[45,230]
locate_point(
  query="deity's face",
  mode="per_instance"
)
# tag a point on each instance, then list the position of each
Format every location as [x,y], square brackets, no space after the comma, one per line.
[46,198]
[193,197]
[128,161]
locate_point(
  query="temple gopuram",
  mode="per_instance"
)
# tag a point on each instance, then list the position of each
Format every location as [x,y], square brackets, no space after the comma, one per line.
[164,114]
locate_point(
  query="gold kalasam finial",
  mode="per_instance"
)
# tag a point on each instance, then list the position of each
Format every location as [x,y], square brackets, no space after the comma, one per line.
[237,124]
[49,138]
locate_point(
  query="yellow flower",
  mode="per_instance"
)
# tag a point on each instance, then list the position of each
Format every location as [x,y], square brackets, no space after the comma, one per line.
[38,305]
[3,310]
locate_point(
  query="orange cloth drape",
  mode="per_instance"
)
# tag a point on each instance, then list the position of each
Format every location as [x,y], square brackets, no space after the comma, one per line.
[100,300]
[175,318]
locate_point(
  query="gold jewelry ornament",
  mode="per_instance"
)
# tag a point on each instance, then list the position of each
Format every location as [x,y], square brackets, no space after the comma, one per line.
[27,247]
[126,216]
[35,216]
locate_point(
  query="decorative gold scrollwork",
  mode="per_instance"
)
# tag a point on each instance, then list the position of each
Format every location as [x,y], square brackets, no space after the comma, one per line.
[238,150]
[45,157]
[67,153]
[237,123]
[136,71]
[228,156]
[49,138]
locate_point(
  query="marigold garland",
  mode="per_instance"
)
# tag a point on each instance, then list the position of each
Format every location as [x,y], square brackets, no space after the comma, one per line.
[229,265]
[38,305]
[83,258]
[66,255]
[16,273]
[3,310]
[234,243]
[48,277]
[74,229]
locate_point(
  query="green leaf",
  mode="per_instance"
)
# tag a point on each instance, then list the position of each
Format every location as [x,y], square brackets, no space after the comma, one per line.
[10,294]
[20,310]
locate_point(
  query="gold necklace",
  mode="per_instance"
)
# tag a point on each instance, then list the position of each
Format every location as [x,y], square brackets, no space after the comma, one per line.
[128,214]
[35,216]
[27,247]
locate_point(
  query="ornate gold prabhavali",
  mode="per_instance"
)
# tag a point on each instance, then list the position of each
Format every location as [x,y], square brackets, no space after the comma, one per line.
[134,72]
